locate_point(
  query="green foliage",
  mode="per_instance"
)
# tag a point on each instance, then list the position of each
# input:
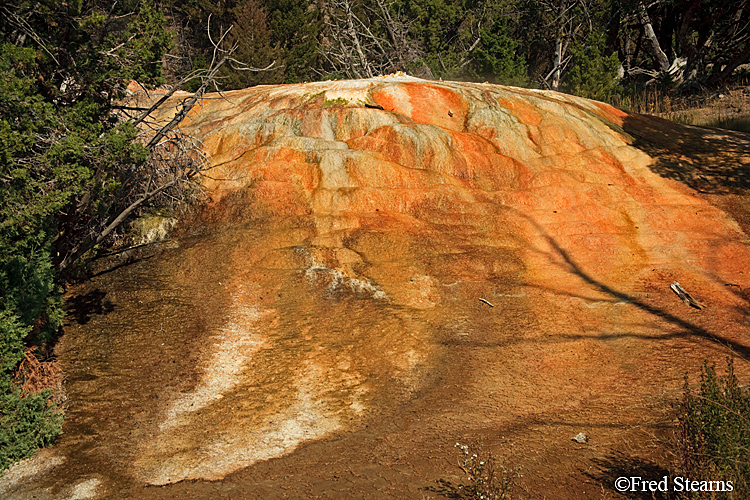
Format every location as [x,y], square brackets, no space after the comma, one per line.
[714,429]
[338,102]
[29,198]
[443,30]
[264,31]
[438,38]
[66,163]
[148,42]
[535,31]
[252,37]
[29,422]
[26,423]
[498,59]
[593,74]
[12,333]
[295,26]
[32,191]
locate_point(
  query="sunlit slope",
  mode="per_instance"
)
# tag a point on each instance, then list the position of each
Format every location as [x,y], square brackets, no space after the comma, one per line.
[413,199]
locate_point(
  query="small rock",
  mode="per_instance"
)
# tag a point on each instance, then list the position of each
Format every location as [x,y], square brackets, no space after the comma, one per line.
[581,438]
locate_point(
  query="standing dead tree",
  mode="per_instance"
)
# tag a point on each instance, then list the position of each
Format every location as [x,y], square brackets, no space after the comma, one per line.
[687,42]
[363,39]
[647,36]
[569,19]
[353,49]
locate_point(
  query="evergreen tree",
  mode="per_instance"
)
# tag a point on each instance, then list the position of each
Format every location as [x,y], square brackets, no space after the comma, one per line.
[296,26]
[252,37]
[593,75]
[445,30]
[65,158]
[498,59]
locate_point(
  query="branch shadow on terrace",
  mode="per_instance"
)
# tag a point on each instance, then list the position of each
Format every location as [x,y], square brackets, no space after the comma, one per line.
[618,465]
[687,327]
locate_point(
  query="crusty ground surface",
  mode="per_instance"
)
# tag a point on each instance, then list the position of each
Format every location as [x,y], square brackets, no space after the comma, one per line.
[356,302]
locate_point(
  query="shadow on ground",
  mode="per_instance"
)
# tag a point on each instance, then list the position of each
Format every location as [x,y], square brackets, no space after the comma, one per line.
[448,489]
[615,467]
[82,307]
[711,161]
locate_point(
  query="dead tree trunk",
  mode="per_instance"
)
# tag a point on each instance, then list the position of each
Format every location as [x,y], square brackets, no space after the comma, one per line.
[657,53]
[355,39]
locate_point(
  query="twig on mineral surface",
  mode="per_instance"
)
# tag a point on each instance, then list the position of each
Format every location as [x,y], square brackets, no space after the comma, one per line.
[686,298]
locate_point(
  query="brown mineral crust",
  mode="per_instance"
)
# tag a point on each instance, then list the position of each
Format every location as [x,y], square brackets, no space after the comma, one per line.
[320,318]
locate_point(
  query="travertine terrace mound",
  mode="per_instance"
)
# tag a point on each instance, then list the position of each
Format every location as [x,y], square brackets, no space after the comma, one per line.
[390,265]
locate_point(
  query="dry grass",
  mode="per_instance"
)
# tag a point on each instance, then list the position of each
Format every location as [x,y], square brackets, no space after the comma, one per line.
[727,109]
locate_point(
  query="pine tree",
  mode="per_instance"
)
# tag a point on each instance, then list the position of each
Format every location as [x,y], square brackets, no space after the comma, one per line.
[498,59]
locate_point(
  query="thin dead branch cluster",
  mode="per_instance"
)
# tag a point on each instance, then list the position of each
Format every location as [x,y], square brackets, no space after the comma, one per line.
[176,161]
[354,51]
[570,18]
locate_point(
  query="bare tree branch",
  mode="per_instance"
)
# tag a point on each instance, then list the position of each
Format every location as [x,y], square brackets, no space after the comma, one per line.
[175,160]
